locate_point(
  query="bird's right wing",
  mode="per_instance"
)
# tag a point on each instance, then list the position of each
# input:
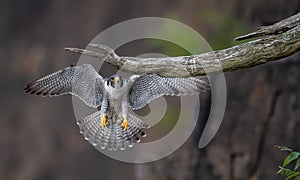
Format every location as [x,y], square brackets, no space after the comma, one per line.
[82,81]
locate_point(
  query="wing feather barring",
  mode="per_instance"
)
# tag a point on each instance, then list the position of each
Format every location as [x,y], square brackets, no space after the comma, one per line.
[112,126]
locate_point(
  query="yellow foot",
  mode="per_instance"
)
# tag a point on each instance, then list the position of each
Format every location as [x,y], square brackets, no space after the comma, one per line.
[103,121]
[124,123]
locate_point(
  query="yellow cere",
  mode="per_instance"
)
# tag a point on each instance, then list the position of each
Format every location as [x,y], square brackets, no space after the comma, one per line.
[116,79]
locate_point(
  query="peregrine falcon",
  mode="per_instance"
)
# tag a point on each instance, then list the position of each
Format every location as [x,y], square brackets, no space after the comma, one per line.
[112,126]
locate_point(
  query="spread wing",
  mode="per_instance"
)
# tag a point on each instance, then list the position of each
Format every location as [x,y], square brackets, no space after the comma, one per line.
[82,81]
[148,87]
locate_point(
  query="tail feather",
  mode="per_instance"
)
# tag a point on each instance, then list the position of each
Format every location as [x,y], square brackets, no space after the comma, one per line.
[90,128]
[112,136]
[135,129]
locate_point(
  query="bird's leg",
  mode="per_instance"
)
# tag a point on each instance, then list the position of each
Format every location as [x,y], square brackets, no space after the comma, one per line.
[103,109]
[103,121]
[125,111]
[124,123]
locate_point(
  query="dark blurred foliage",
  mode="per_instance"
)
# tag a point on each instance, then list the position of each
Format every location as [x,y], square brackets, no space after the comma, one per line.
[39,138]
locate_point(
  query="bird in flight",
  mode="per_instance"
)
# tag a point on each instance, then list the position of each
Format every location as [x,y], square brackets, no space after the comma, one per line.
[112,126]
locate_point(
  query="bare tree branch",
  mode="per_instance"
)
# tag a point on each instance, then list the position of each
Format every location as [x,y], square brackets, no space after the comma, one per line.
[276,41]
[277,28]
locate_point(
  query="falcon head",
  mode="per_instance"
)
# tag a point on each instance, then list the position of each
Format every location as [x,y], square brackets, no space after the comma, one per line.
[115,82]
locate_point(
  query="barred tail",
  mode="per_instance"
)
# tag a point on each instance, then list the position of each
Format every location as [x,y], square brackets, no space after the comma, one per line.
[112,136]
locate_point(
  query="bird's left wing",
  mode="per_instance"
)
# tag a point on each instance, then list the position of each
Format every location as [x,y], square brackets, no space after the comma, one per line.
[148,87]
[82,81]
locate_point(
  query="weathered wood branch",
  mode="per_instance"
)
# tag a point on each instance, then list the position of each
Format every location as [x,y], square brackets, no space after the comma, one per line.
[275,42]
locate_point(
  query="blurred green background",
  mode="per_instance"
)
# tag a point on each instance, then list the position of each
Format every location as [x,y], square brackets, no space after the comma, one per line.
[39,138]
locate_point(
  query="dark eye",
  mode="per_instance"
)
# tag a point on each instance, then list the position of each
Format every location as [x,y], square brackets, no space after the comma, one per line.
[107,82]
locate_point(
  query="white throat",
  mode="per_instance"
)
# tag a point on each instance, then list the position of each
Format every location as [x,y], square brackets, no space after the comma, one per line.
[116,92]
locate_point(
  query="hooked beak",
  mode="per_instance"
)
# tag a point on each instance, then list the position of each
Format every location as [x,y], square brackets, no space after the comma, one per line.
[116,79]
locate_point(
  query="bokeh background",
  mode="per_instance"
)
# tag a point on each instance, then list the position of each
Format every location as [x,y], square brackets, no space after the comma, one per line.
[39,138]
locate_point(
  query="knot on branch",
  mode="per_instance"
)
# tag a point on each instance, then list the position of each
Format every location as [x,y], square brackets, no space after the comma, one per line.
[109,51]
